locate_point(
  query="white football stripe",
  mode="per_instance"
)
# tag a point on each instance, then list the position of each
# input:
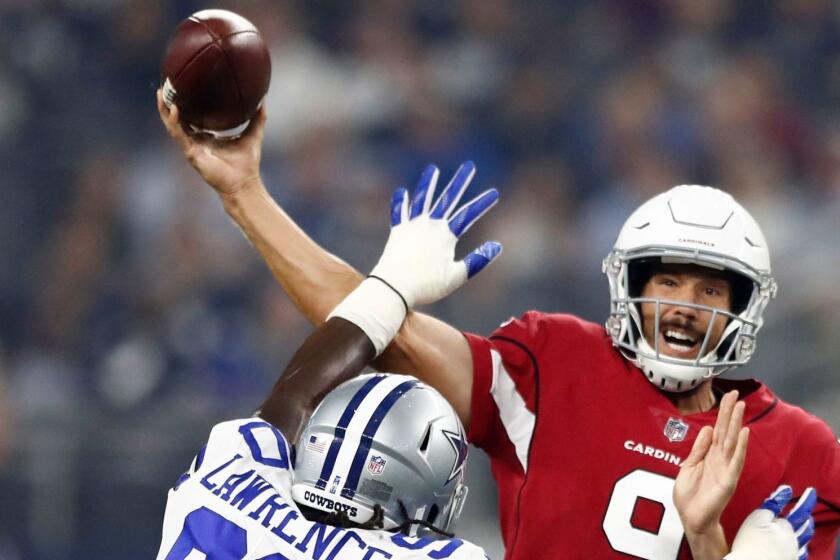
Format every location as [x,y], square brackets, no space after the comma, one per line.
[356,427]
[516,418]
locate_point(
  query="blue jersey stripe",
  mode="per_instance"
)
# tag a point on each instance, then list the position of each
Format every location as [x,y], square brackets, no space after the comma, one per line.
[200,458]
[372,426]
[341,428]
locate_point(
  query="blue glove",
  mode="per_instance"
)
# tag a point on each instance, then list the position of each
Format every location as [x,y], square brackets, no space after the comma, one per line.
[419,258]
[766,536]
[418,263]
[799,517]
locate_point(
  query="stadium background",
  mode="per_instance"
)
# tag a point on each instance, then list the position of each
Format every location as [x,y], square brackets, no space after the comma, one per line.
[133,315]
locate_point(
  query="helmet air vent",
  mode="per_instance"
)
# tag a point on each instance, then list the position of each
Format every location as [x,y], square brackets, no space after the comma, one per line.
[424,445]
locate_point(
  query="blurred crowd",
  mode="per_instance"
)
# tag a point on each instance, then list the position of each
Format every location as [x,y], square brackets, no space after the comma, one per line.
[134,315]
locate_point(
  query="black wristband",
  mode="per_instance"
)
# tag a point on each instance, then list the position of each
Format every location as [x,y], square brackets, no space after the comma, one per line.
[392,288]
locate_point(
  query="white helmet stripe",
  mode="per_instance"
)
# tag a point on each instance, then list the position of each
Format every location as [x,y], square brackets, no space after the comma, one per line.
[341,427]
[351,481]
[355,429]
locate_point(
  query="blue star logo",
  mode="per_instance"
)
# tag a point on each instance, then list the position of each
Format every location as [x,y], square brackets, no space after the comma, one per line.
[458,441]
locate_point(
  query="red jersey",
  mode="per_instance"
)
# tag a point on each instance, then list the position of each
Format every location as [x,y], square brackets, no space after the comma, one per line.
[585,450]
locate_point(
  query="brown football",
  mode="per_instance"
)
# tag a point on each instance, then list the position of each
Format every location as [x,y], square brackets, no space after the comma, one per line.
[216,70]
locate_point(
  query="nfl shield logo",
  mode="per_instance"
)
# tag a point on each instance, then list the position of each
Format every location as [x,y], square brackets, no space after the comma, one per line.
[675,429]
[376,465]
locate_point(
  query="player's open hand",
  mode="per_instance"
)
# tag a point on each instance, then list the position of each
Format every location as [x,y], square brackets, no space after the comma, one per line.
[708,477]
[765,535]
[419,258]
[226,165]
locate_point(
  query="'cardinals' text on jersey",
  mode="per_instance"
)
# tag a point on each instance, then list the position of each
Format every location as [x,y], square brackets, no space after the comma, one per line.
[585,450]
[235,503]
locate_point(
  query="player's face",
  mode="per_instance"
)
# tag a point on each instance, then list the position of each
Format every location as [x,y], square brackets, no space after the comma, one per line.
[681,328]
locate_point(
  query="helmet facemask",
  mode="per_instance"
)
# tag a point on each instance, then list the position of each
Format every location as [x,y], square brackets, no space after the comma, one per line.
[751,291]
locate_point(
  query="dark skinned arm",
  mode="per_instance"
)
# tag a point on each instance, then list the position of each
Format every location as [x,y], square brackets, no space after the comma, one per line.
[336,351]
[314,279]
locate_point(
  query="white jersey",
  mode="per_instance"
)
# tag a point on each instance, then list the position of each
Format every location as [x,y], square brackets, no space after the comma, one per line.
[234,503]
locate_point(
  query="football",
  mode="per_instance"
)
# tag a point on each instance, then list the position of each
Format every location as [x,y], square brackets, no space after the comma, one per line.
[216,70]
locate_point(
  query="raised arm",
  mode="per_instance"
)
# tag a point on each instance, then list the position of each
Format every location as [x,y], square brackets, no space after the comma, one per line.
[315,280]
[417,266]
[337,351]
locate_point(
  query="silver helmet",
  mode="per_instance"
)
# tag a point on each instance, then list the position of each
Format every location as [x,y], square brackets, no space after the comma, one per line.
[698,225]
[386,440]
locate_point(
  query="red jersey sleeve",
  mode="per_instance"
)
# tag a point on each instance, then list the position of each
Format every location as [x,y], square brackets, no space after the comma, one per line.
[816,462]
[505,387]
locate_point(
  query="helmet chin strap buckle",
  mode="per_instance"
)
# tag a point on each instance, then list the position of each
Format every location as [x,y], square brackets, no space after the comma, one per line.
[768,287]
[747,347]
[614,326]
[611,264]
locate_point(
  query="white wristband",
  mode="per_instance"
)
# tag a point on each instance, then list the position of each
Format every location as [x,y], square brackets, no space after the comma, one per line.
[375,308]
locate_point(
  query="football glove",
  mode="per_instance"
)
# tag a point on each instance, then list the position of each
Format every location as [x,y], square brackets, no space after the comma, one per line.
[418,263]
[766,536]
[419,257]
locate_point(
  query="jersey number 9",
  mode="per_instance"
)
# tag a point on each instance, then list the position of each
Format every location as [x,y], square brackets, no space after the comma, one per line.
[623,536]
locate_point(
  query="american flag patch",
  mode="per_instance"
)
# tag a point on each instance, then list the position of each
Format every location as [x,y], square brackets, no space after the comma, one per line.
[316,444]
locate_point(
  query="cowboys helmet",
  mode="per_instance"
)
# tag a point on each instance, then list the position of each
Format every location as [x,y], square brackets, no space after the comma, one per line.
[383,440]
[689,224]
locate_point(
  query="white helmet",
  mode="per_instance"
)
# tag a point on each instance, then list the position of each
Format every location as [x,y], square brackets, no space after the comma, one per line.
[695,225]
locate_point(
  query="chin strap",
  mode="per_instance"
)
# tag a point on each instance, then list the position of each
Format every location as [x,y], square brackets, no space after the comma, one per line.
[340,519]
[405,528]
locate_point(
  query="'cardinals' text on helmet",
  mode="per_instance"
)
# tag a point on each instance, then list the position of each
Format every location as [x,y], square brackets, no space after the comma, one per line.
[690,224]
